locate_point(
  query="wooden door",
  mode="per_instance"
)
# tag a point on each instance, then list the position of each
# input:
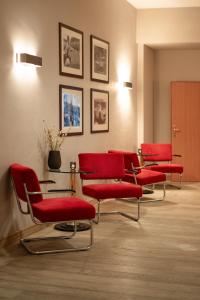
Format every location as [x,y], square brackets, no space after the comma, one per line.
[186,127]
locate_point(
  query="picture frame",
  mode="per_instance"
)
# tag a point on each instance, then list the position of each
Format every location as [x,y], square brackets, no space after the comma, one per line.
[71,110]
[99,59]
[70,51]
[99,110]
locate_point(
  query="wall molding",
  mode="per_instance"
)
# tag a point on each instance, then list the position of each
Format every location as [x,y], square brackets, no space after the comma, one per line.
[14,239]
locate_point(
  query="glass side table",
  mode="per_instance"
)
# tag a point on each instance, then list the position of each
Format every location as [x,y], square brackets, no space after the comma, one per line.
[72,172]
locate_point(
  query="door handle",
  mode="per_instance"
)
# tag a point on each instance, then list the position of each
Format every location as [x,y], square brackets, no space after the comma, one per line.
[175,130]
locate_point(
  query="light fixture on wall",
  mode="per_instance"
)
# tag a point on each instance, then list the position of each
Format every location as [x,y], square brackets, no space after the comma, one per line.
[26,58]
[127,85]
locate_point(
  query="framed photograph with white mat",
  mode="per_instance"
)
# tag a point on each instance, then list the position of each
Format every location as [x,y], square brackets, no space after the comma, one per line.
[99,56]
[71,110]
[99,103]
[70,51]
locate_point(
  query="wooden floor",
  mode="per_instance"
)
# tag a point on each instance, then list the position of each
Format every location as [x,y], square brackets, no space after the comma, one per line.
[157,258]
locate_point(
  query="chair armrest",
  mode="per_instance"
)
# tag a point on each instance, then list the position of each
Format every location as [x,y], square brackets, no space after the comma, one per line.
[51,192]
[46,181]
[151,164]
[61,190]
[135,170]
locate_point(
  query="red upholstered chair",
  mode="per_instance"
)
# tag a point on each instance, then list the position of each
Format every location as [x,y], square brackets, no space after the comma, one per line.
[48,210]
[136,174]
[161,154]
[108,169]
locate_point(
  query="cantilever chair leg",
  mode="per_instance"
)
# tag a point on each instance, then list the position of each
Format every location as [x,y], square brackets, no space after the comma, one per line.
[155,200]
[126,215]
[26,242]
[49,211]
[152,200]
[179,185]
[180,180]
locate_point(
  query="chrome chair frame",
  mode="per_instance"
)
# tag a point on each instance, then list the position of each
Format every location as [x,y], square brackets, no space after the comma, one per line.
[126,215]
[169,183]
[25,241]
[169,162]
[179,186]
[134,171]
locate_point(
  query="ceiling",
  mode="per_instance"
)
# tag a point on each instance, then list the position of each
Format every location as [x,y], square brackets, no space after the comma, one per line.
[175,46]
[145,4]
[148,4]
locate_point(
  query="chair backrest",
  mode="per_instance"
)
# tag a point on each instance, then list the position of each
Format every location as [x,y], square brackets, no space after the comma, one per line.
[101,165]
[24,175]
[129,158]
[163,152]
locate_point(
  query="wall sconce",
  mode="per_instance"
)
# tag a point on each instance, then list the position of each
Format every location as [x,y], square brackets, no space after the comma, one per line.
[127,85]
[29,59]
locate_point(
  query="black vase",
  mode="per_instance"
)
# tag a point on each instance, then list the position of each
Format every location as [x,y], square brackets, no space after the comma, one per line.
[54,159]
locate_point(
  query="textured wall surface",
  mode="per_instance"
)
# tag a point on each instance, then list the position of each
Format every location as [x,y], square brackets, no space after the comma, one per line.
[174,36]
[28,98]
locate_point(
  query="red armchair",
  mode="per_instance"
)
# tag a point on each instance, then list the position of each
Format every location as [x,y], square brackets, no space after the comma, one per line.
[136,174]
[105,166]
[49,210]
[161,155]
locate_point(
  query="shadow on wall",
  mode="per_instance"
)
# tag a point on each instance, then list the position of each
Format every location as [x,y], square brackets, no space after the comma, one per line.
[43,155]
[8,215]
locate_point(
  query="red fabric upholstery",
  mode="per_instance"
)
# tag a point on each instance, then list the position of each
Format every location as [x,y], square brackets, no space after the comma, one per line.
[143,176]
[51,209]
[146,177]
[112,190]
[163,152]
[167,168]
[101,165]
[63,209]
[129,157]
[22,174]
[106,166]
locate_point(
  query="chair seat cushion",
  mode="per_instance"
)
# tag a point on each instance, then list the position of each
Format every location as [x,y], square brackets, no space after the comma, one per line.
[146,177]
[63,209]
[112,190]
[167,168]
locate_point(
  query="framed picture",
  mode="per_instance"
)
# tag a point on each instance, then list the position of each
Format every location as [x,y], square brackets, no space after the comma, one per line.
[71,110]
[70,51]
[99,55]
[99,110]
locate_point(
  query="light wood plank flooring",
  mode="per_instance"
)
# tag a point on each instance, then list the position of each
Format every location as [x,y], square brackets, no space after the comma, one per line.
[157,258]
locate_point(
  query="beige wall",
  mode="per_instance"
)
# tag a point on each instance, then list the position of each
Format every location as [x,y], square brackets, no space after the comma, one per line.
[164,26]
[140,94]
[145,97]
[164,29]
[171,65]
[148,93]
[26,100]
